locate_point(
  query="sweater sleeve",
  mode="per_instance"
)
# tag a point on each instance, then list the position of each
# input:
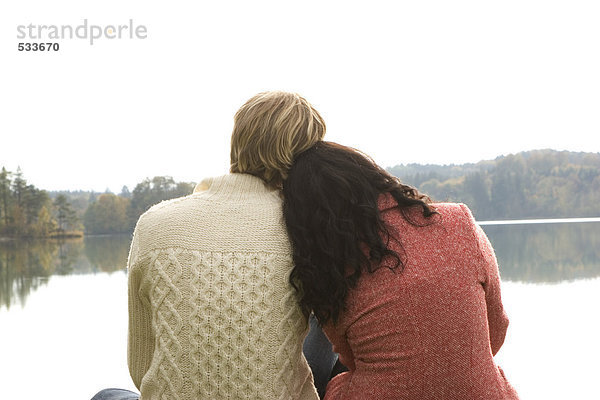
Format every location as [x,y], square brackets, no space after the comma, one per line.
[140,341]
[497,318]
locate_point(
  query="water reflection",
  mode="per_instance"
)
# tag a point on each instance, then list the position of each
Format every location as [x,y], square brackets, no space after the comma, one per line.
[26,265]
[107,253]
[544,253]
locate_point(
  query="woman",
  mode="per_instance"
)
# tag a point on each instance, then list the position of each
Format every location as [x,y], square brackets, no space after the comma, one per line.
[407,291]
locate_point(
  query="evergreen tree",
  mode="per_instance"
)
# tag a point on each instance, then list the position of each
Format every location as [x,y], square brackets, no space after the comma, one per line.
[5,195]
[125,193]
[66,216]
[18,186]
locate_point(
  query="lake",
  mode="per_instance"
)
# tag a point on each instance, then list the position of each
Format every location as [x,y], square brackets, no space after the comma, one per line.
[63,313]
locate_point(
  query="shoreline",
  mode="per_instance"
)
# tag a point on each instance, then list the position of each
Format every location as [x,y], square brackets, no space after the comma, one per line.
[65,235]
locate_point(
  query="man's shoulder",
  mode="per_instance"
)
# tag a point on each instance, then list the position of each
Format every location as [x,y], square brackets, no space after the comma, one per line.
[164,210]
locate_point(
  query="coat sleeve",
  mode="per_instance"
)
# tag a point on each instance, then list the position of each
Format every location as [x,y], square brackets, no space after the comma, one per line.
[340,346]
[497,318]
[140,340]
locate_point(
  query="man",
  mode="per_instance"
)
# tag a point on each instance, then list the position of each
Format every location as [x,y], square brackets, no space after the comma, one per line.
[211,312]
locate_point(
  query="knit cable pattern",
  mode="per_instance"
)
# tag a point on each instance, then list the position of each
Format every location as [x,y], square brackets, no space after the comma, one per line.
[223,320]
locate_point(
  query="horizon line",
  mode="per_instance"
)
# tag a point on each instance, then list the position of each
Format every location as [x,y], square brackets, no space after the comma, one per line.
[539,221]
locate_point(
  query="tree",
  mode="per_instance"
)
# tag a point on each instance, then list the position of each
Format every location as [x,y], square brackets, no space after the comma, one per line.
[508,198]
[5,195]
[33,200]
[125,193]
[18,226]
[18,186]
[65,214]
[149,192]
[107,215]
[45,223]
[475,185]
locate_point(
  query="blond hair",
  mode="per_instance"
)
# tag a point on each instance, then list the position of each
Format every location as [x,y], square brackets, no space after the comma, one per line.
[269,131]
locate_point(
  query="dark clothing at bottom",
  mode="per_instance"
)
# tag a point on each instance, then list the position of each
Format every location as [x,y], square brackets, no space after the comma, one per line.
[116,394]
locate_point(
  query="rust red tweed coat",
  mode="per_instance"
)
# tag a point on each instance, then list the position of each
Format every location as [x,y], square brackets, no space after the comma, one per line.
[430,331]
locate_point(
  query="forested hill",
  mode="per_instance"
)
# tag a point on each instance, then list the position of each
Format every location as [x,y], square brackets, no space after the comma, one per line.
[532,184]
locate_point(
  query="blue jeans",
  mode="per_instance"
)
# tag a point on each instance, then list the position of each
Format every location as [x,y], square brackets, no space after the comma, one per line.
[319,354]
[316,348]
[116,394]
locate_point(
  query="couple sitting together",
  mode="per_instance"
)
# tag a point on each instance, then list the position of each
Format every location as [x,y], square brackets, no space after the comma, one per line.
[232,287]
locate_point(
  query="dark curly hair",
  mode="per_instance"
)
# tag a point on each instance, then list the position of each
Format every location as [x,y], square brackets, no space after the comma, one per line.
[334,224]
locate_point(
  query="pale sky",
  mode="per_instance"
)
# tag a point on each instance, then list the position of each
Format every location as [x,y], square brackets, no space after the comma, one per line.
[419,81]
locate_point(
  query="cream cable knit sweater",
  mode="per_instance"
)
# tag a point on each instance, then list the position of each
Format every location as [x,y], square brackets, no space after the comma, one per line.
[211,312]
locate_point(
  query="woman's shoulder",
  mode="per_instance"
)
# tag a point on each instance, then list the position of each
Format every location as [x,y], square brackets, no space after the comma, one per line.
[446,212]
[450,217]
[454,215]
[458,222]
[455,210]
